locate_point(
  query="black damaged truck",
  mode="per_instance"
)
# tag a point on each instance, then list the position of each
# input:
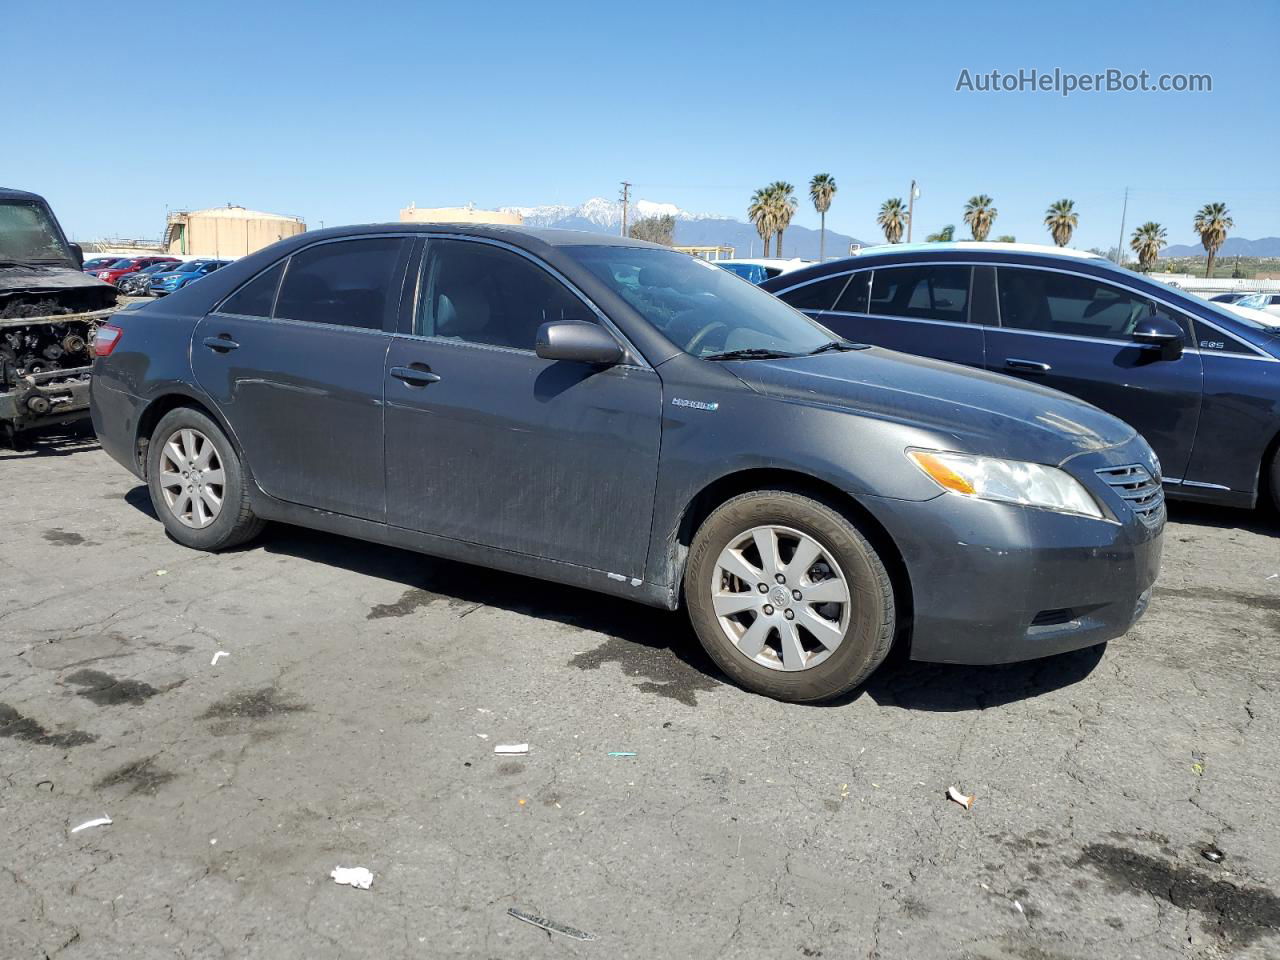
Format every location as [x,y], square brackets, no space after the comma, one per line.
[49,310]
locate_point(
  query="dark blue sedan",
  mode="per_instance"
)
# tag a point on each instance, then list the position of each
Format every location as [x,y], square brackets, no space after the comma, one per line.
[1199,382]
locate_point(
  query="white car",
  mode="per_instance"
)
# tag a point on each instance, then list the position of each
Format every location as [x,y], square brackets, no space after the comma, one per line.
[760,269]
[1267,318]
[1268,302]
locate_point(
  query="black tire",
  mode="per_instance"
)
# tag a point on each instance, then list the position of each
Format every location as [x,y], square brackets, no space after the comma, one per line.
[872,618]
[1275,480]
[234,523]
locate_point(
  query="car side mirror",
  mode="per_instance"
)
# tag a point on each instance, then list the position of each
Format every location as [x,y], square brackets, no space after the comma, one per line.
[1161,331]
[78,252]
[577,340]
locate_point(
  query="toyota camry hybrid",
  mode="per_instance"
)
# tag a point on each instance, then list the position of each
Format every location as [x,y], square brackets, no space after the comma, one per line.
[619,416]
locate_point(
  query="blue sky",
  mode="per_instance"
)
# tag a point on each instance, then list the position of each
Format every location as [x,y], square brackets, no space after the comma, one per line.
[344,113]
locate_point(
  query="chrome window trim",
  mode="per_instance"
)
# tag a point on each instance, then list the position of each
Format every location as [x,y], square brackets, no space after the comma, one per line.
[639,361]
[310,324]
[1258,354]
[950,324]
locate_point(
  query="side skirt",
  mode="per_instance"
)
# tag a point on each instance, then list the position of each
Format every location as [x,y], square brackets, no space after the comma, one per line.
[601,581]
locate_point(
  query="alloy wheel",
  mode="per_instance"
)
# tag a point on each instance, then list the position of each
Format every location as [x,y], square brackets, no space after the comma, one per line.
[780,598]
[192,478]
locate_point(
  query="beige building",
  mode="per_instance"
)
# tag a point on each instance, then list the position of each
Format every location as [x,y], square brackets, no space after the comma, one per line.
[228,231]
[415,214]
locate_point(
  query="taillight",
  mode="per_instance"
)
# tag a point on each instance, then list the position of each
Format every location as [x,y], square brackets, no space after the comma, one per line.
[105,339]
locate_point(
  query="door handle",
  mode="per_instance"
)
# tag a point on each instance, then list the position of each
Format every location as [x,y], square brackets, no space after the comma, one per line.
[414,376]
[221,344]
[1031,366]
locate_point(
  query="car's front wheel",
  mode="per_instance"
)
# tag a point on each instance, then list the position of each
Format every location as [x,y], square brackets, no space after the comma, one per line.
[788,597]
[198,485]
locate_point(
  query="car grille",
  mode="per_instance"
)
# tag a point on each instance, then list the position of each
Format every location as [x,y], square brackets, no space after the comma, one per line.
[1135,484]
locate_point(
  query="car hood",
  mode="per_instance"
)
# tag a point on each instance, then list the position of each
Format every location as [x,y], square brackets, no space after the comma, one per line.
[967,410]
[65,286]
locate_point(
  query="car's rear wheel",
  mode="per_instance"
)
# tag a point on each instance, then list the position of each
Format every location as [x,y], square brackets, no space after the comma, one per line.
[198,485]
[1275,478]
[788,597]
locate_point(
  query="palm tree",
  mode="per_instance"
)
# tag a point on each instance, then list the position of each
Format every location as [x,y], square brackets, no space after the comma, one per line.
[1147,241]
[945,235]
[784,208]
[761,214]
[821,189]
[1061,219]
[893,219]
[979,214]
[1212,223]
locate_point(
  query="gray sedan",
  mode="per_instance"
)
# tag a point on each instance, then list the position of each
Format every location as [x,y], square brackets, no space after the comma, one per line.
[625,418]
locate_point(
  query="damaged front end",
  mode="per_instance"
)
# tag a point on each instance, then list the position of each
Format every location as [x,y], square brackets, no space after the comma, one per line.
[48,317]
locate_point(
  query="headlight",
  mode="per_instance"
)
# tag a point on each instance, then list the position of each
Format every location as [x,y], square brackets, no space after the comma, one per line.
[1007,481]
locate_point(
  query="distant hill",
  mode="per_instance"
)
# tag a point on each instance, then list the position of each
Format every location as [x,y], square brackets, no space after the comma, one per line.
[1234,247]
[692,229]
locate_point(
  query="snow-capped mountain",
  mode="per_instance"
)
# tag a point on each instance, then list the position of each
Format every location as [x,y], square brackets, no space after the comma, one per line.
[599,215]
[603,213]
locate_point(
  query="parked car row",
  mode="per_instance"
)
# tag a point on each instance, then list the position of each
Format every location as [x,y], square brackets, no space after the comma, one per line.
[615,415]
[182,275]
[150,276]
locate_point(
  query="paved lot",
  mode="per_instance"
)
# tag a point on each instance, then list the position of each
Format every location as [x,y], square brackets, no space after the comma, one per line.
[354,722]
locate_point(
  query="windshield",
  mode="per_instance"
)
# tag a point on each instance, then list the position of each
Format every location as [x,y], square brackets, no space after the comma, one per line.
[121,264]
[187,267]
[1255,301]
[701,308]
[27,232]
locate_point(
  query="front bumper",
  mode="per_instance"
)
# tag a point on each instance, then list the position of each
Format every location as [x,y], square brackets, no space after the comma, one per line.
[997,583]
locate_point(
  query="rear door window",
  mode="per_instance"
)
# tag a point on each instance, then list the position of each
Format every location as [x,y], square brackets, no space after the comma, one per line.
[346,283]
[927,292]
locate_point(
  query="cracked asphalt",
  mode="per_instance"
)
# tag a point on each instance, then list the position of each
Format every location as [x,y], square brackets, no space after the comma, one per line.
[354,719]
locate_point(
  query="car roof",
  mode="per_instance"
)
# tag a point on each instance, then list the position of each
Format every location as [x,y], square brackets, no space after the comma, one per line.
[992,246]
[528,237]
[7,193]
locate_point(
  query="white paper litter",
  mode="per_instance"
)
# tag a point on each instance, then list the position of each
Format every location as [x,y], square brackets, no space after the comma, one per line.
[218,656]
[357,877]
[960,798]
[511,748]
[100,822]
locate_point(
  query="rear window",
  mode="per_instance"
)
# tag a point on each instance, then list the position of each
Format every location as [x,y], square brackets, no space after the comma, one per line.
[817,296]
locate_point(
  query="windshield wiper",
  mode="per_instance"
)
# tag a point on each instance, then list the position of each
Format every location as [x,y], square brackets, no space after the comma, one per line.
[839,345]
[750,353]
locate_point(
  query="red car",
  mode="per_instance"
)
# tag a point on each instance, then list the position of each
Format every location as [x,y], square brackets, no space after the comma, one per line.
[128,265]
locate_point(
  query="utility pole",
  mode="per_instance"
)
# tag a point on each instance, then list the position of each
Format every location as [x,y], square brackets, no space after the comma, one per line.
[626,196]
[911,208]
[1123,213]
